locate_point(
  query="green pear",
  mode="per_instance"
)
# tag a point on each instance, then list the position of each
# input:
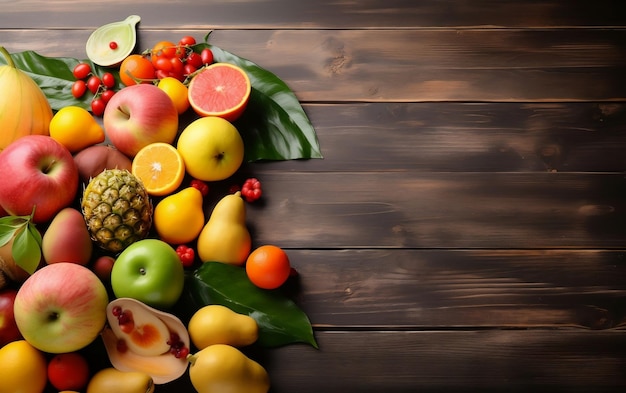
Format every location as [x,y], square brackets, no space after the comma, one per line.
[67,239]
[225,237]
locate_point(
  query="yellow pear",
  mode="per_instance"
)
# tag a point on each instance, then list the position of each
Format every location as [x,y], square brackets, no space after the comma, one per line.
[224,368]
[217,324]
[179,218]
[225,237]
[111,379]
[75,128]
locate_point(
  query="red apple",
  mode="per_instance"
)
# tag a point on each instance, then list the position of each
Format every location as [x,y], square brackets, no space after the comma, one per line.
[8,328]
[61,308]
[37,171]
[139,115]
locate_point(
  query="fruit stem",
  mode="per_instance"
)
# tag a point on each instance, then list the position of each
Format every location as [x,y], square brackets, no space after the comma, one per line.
[191,359]
[7,56]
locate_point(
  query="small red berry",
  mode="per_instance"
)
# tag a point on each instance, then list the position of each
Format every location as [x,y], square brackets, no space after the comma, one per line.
[113,45]
[251,190]
[186,255]
[93,84]
[207,56]
[81,70]
[108,80]
[107,95]
[200,185]
[79,88]
[97,106]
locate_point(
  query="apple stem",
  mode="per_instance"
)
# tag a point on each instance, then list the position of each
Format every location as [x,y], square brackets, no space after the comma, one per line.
[7,56]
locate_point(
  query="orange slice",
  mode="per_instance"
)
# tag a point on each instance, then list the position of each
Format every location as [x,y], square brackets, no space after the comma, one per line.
[221,90]
[160,168]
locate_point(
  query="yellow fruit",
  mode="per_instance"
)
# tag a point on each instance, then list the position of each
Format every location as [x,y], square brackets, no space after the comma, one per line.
[111,380]
[160,168]
[216,324]
[177,92]
[225,237]
[223,368]
[24,108]
[75,128]
[179,218]
[23,368]
[212,148]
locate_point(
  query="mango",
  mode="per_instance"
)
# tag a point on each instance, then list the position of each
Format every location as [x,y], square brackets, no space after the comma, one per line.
[67,239]
[110,380]
[217,324]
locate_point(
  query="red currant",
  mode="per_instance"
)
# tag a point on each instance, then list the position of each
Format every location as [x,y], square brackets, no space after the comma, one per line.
[207,56]
[186,255]
[79,88]
[113,45]
[81,71]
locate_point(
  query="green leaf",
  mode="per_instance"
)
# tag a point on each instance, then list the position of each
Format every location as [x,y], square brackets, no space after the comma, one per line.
[8,226]
[274,124]
[280,320]
[27,249]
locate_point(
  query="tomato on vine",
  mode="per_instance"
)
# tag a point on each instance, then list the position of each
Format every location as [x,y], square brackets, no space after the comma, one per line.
[81,71]
[79,88]
[108,80]
[207,56]
[97,106]
[187,41]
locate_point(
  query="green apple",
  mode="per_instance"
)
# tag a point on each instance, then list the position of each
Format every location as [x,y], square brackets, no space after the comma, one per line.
[212,148]
[150,271]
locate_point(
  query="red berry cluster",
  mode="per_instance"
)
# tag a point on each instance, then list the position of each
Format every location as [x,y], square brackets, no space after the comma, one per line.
[178,60]
[186,255]
[201,186]
[251,190]
[102,88]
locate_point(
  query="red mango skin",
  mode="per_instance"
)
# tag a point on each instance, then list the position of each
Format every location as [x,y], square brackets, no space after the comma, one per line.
[67,239]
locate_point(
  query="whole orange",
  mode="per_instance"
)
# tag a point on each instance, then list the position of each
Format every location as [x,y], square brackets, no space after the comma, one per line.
[268,267]
[136,68]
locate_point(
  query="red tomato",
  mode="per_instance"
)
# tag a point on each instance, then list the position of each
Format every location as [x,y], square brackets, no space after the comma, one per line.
[187,41]
[81,71]
[93,84]
[206,56]
[68,371]
[97,106]
[79,88]
[195,60]
[108,80]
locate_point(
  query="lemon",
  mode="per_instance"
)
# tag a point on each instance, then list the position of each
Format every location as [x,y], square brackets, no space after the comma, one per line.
[177,92]
[24,368]
[75,128]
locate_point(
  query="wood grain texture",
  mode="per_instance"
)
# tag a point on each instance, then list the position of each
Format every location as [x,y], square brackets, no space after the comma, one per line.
[408,65]
[466,228]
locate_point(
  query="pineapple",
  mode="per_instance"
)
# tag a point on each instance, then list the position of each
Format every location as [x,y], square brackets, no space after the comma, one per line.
[117,209]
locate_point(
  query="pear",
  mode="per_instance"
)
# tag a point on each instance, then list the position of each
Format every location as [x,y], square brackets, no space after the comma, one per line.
[110,380]
[67,239]
[225,237]
[224,368]
[217,324]
[179,218]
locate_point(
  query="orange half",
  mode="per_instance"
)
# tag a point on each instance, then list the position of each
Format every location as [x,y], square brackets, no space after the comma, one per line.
[221,90]
[160,167]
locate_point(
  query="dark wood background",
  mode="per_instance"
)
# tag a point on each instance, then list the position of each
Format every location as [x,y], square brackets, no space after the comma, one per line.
[466,228]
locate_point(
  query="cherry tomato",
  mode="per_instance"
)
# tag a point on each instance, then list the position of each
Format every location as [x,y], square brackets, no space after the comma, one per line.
[189,69]
[206,56]
[194,59]
[177,66]
[187,41]
[163,64]
[93,84]
[97,106]
[108,80]
[107,95]
[160,74]
[81,71]
[79,88]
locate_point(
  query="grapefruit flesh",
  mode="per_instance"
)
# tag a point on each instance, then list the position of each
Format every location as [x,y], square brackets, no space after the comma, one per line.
[221,90]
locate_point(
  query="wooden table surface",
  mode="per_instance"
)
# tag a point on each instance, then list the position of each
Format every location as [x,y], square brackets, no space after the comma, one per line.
[466,228]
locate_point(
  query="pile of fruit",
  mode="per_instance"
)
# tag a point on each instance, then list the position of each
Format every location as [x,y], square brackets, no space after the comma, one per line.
[104,218]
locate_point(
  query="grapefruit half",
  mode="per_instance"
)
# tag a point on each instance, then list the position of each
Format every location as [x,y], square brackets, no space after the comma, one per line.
[221,90]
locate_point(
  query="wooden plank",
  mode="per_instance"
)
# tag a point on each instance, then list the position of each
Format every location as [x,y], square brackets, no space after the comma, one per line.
[479,137]
[369,14]
[409,66]
[441,210]
[443,289]
[448,361]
